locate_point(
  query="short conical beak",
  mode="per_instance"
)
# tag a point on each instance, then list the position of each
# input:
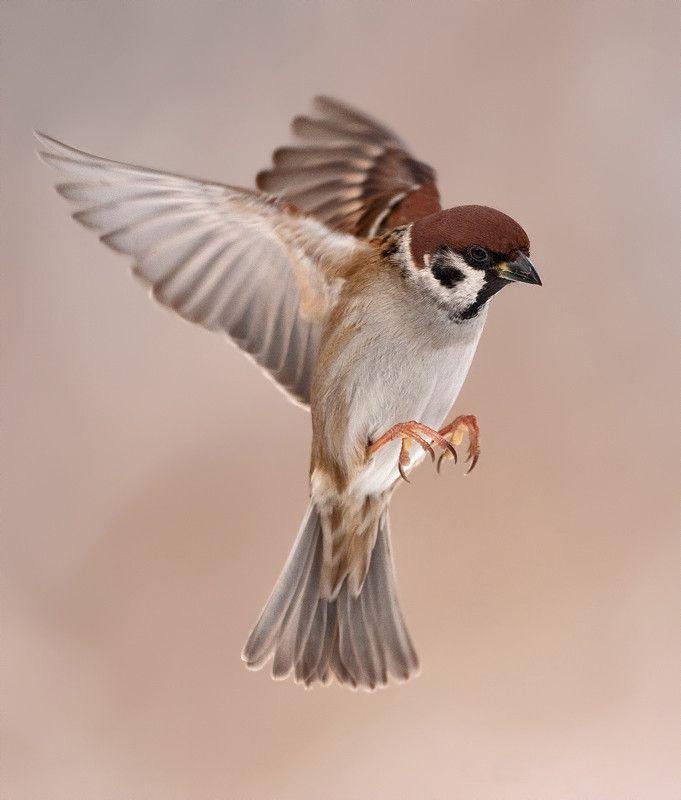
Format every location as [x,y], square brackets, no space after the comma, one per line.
[521,269]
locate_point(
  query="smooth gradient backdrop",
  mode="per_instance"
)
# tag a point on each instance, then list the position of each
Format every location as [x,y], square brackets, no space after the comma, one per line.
[153,480]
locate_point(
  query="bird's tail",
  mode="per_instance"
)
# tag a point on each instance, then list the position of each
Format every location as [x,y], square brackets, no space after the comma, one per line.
[362,639]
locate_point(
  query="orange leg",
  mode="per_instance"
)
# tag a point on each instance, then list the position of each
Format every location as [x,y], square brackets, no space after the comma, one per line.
[454,433]
[408,431]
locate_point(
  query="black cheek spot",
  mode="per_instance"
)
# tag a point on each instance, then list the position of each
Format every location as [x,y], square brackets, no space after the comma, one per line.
[447,275]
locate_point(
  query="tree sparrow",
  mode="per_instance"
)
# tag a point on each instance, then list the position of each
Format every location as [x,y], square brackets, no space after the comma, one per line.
[361,298]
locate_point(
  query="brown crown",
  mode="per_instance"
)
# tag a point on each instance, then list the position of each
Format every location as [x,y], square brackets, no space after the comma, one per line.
[465,226]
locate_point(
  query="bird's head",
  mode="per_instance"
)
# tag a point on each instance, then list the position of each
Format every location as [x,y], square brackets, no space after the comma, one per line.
[465,255]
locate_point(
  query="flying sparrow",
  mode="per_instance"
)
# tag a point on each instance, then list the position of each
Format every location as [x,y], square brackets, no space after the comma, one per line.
[361,298]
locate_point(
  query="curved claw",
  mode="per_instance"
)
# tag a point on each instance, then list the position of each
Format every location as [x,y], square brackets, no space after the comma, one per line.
[452,450]
[421,434]
[473,458]
[449,453]
[456,429]
[425,445]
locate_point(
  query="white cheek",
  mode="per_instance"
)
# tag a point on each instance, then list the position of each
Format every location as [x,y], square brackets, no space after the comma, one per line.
[464,293]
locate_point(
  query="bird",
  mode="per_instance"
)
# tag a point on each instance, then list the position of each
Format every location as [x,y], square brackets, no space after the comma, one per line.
[363,299]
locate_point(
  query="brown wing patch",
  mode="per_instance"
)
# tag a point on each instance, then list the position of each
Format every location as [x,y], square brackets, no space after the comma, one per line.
[416,205]
[355,174]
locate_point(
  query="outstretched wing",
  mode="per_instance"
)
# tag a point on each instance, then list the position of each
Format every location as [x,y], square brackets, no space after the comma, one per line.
[226,258]
[354,174]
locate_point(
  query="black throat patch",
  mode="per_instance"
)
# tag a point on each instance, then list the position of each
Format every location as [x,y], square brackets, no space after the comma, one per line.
[492,285]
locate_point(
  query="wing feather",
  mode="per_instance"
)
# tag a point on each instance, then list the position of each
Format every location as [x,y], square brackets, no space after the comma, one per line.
[353,173]
[225,258]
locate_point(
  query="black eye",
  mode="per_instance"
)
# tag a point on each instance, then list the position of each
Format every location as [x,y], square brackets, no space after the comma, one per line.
[477,255]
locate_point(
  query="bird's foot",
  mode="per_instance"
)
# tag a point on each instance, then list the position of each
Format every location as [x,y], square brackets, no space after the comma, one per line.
[454,433]
[408,431]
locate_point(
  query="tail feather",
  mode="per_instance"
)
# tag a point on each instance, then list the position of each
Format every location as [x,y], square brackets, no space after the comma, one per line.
[295,625]
[394,637]
[359,641]
[309,603]
[355,668]
[259,645]
[309,658]
[329,638]
[374,638]
[362,640]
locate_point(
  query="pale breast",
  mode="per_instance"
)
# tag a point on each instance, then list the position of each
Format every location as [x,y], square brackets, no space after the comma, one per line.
[400,380]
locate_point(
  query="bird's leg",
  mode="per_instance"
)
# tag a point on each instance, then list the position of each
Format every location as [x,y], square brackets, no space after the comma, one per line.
[406,431]
[454,433]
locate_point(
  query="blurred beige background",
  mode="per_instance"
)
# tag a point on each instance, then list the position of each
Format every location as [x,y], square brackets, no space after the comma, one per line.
[153,480]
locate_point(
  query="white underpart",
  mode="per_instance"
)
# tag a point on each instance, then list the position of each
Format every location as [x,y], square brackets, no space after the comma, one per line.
[421,387]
